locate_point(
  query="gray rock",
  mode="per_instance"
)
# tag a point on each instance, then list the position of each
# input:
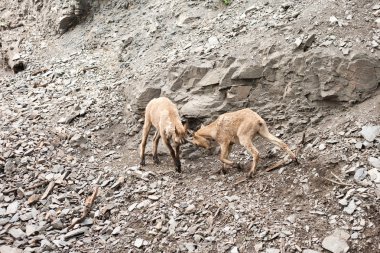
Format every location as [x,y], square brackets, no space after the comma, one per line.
[360,174]
[75,232]
[374,175]
[144,97]
[116,230]
[57,224]
[310,251]
[248,72]
[138,242]
[375,162]
[16,233]
[234,250]
[8,249]
[350,209]
[272,250]
[12,207]
[292,218]
[370,132]
[213,42]
[336,242]
[31,229]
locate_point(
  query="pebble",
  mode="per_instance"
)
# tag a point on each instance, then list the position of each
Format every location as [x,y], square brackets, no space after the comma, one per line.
[272,250]
[75,232]
[322,146]
[374,162]
[370,132]
[350,209]
[138,243]
[336,242]
[12,208]
[8,249]
[17,233]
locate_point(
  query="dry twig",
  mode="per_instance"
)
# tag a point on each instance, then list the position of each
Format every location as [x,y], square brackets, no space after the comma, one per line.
[87,207]
[51,185]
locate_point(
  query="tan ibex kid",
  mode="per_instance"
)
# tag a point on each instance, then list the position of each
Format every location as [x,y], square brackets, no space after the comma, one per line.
[163,115]
[238,127]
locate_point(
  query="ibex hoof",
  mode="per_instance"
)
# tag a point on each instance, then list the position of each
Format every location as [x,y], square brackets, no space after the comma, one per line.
[156,160]
[238,166]
[178,166]
[142,163]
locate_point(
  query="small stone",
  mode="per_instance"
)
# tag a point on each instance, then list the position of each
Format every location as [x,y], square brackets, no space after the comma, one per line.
[213,41]
[116,230]
[143,204]
[359,145]
[30,229]
[291,218]
[375,162]
[322,146]
[345,51]
[16,233]
[190,209]
[336,242]
[197,238]
[360,174]
[75,232]
[272,250]
[8,249]
[57,224]
[376,7]
[343,202]
[333,20]
[258,247]
[355,235]
[350,209]
[190,247]
[131,207]
[138,242]
[234,250]
[33,199]
[374,175]
[12,207]
[370,132]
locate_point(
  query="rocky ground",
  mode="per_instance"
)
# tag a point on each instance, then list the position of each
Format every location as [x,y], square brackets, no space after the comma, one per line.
[70,121]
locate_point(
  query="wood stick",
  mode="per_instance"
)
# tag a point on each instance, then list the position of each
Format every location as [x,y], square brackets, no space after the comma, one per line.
[37,185]
[339,183]
[119,182]
[277,165]
[39,71]
[87,207]
[51,185]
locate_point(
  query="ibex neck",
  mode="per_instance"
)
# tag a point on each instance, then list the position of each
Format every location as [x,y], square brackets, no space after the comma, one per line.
[208,131]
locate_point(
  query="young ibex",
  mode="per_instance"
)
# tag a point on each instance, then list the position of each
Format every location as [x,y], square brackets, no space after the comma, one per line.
[163,115]
[238,127]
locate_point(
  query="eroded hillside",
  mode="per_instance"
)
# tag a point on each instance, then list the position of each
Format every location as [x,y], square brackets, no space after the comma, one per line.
[77,75]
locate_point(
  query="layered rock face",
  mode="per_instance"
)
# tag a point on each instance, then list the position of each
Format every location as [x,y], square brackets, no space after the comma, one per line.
[217,86]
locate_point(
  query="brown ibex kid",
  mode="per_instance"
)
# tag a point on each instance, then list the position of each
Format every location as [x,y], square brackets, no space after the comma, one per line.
[163,115]
[238,127]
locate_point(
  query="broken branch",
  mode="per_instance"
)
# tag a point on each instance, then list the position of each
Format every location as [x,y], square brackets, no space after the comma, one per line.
[87,207]
[339,183]
[51,185]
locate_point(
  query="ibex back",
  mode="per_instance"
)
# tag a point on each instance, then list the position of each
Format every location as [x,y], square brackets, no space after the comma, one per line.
[163,115]
[238,127]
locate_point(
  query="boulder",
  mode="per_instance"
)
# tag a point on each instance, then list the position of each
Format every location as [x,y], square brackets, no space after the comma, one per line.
[191,75]
[248,72]
[145,96]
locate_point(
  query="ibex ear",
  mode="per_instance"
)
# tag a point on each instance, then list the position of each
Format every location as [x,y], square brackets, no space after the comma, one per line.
[186,126]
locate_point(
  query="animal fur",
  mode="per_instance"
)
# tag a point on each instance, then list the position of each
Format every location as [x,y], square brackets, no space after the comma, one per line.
[239,127]
[164,116]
